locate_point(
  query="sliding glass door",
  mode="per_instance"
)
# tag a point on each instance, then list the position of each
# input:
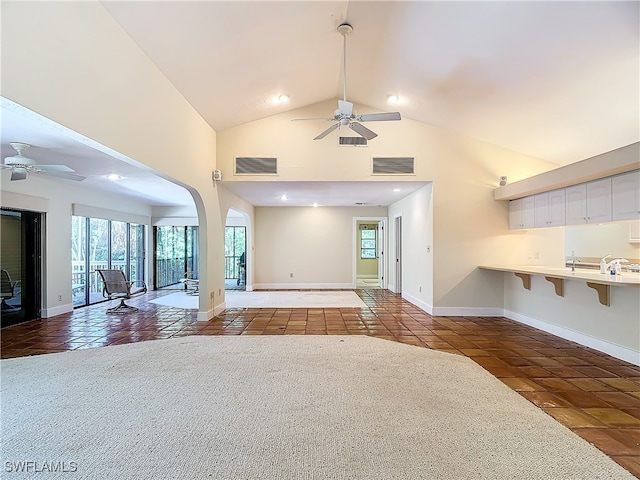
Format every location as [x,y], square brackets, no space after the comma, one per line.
[176,253]
[97,244]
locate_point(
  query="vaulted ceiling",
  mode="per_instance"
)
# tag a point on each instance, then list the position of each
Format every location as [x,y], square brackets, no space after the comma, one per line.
[554,80]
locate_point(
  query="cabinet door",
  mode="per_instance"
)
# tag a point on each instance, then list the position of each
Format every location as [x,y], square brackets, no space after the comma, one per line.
[528,212]
[541,210]
[626,196]
[576,204]
[556,210]
[599,201]
[515,214]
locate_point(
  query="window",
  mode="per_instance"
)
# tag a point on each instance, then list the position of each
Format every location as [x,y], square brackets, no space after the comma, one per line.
[367,243]
[98,243]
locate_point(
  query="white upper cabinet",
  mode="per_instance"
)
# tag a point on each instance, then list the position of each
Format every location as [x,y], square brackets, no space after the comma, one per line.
[550,208]
[599,201]
[576,204]
[589,202]
[626,196]
[521,213]
[605,200]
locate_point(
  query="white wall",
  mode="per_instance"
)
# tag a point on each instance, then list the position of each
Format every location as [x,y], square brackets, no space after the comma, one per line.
[58,208]
[469,227]
[72,63]
[316,245]
[578,316]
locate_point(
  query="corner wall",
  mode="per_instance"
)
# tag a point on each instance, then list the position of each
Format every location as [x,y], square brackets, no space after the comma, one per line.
[72,63]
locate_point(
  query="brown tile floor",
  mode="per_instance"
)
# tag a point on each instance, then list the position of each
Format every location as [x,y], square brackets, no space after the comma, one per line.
[593,394]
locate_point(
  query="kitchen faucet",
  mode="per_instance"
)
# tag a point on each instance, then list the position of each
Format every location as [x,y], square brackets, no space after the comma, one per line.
[616,262]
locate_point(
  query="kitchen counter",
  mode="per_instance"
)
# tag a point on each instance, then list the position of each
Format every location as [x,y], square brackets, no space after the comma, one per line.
[587,275]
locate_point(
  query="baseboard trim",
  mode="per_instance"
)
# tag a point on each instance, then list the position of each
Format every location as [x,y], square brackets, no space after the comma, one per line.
[613,349]
[418,303]
[467,312]
[59,310]
[303,286]
[209,314]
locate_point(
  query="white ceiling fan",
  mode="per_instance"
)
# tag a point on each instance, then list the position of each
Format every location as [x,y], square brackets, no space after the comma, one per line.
[21,166]
[345,114]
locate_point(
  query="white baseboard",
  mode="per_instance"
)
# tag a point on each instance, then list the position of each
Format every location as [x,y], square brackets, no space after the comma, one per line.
[454,311]
[615,350]
[467,312]
[209,314]
[304,286]
[59,310]
[418,303]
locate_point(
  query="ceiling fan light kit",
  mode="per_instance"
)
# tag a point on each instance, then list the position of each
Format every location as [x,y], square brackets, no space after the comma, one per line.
[345,115]
[21,166]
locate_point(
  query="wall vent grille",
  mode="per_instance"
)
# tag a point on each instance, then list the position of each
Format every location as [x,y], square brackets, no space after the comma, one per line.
[256,166]
[352,141]
[392,166]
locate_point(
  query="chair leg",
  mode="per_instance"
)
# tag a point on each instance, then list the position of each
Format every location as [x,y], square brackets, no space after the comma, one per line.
[122,308]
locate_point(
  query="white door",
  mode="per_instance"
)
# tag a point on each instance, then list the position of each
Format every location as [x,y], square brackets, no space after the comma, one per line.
[398,238]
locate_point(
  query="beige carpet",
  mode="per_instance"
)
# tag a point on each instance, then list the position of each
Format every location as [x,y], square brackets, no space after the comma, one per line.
[278,407]
[293,299]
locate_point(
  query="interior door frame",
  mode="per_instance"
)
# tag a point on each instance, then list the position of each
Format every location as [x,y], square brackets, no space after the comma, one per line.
[397,231]
[381,246]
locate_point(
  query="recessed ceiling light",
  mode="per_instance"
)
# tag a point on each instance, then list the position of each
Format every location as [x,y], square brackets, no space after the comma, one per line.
[396,189]
[315,204]
[283,98]
[114,176]
[393,98]
[284,197]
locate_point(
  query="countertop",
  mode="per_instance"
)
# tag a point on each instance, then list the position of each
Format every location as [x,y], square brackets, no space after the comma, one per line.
[586,275]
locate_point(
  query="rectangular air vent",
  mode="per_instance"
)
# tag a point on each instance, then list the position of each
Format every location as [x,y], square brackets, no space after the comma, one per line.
[352,141]
[392,166]
[256,166]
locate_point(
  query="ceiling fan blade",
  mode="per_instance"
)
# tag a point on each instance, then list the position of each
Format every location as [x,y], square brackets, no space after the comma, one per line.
[345,108]
[362,130]
[379,117]
[327,131]
[54,168]
[318,118]
[65,175]
[18,173]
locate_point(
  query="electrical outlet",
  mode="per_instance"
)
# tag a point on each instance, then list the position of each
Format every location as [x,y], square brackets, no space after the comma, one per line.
[291,275]
[59,297]
[428,248]
[421,289]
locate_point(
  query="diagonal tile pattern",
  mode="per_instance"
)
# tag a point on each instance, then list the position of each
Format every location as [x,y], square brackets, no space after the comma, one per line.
[593,394]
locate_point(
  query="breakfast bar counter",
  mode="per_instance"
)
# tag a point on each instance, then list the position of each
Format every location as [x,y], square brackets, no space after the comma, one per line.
[601,283]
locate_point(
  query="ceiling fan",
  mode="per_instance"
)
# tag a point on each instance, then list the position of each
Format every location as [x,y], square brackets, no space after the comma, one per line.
[345,114]
[21,166]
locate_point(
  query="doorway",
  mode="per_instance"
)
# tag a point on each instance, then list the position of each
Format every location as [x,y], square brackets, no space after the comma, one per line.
[20,265]
[235,257]
[370,253]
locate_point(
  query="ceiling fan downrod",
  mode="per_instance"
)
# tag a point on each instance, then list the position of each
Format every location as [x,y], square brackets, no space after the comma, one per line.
[344,30]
